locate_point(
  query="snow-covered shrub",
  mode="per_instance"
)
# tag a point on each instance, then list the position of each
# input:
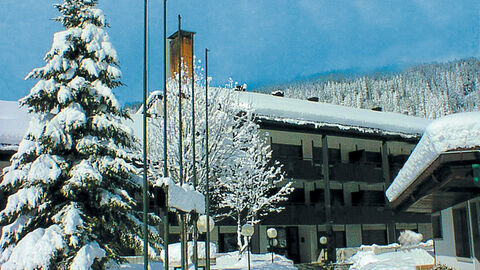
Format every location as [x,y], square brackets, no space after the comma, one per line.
[409,238]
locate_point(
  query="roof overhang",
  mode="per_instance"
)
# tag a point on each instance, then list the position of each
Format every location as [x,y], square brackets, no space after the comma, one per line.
[335,130]
[445,182]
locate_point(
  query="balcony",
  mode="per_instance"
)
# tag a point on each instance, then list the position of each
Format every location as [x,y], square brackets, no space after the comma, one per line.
[361,172]
[301,169]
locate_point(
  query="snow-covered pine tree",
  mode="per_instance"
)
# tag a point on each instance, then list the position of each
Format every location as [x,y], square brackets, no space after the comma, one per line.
[71,185]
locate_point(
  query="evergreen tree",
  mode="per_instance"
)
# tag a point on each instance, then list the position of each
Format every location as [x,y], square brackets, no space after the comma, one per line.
[450,87]
[71,185]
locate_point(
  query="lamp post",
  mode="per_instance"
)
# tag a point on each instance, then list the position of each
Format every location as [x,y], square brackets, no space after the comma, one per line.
[323,242]
[205,227]
[247,231]
[272,239]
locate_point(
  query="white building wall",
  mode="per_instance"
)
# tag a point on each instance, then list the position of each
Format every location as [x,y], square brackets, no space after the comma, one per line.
[445,248]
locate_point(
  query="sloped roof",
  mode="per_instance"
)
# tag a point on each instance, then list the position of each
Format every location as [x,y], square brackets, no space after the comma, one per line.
[453,132]
[321,115]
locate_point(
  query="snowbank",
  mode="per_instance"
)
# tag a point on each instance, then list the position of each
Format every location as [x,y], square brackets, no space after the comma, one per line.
[452,132]
[184,198]
[174,252]
[257,261]
[229,261]
[392,257]
[14,121]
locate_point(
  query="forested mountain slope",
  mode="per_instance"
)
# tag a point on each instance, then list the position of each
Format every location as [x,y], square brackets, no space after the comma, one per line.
[429,90]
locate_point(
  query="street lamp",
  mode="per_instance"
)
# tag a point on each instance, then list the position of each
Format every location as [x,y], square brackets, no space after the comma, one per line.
[323,242]
[272,239]
[203,226]
[247,231]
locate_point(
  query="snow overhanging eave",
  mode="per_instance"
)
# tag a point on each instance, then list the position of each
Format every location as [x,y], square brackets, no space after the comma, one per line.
[336,129]
[447,170]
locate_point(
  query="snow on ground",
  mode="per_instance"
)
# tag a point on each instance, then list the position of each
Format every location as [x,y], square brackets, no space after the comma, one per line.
[13,124]
[174,252]
[452,132]
[393,257]
[231,261]
[257,261]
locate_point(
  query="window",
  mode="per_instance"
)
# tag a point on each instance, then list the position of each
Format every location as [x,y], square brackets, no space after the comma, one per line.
[336,197]
[373,157]
[286,151]
[368,198]
[334,156]
[317,196]
[356,156]
[437,226]
[317,155]
[297,196]
[475,217]
[460,228]
[340,239]
[370,237]
[227,242]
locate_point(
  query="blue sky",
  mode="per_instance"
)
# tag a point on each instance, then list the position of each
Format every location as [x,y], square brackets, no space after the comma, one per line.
[258,42]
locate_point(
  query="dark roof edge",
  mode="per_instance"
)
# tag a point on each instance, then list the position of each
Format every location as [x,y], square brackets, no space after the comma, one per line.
[334,131]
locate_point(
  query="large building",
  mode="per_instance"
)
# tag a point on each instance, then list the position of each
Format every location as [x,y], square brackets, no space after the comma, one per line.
[363,151]
[341,161]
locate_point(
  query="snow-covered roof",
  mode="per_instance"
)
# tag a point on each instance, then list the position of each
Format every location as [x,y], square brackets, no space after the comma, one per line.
[452,132]
[303,112]
[14,121]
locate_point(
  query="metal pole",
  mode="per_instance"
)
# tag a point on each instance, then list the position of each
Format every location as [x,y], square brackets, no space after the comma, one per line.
[145,157]
[166,230]
[271,248]
[195,232]
[207,188]
[248,252]
[180,141]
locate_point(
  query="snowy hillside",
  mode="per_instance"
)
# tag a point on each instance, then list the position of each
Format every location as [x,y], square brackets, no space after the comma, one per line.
[431,91]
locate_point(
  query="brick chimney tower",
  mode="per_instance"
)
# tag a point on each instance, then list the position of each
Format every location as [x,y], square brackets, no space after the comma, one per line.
[186,44]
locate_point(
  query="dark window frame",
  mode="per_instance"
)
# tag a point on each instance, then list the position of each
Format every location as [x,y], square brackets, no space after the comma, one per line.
[475,222]
[437,226]
[461,231]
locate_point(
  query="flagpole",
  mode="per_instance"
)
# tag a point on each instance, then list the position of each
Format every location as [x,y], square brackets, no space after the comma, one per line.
[207,186]
[145,155]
